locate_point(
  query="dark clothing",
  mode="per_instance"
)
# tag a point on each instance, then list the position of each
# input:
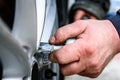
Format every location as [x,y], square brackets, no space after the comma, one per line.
[98,8]
[62,8]
[7,8]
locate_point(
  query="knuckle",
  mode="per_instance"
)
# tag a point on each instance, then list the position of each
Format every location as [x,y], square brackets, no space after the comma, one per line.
[89,49]
[94,64]
[96,70]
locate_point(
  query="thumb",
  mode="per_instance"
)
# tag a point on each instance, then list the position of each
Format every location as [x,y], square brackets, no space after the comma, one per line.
[68,31]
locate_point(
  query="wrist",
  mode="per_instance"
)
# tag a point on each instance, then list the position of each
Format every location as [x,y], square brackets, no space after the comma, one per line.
[115,37]
[116,21]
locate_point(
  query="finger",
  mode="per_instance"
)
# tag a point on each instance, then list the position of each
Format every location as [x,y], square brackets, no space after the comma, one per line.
[69,53]
[68,31]
[72,68]
[64,55]
[79,15]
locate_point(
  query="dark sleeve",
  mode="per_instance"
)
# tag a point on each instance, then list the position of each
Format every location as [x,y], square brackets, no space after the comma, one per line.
[116,21]
[98,8]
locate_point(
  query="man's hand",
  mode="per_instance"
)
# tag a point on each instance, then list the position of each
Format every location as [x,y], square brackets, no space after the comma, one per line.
[96,44]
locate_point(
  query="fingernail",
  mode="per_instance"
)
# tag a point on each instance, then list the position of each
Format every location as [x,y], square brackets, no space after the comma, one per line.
[52,39]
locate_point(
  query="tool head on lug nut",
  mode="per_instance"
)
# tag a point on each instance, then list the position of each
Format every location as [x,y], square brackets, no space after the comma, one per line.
[42,55]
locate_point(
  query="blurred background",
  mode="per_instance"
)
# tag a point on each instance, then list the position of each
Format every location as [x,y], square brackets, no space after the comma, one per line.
[7,14]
